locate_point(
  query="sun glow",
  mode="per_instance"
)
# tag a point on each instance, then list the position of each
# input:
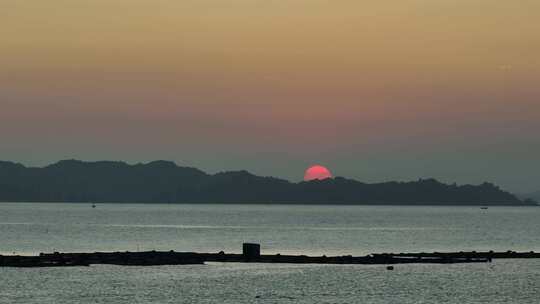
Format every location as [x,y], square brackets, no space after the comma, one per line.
[317,172]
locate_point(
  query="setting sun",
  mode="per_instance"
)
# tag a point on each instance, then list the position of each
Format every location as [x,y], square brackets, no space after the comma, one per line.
[317,172]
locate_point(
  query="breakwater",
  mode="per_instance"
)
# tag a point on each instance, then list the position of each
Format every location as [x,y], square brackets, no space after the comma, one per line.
[251,254]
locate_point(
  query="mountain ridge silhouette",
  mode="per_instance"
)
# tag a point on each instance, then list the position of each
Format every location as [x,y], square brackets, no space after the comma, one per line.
[166,182]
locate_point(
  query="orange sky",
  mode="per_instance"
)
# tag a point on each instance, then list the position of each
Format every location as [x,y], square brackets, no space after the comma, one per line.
[375,90]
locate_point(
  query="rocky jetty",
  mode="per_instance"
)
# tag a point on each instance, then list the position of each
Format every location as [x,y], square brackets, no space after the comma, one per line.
[251,254]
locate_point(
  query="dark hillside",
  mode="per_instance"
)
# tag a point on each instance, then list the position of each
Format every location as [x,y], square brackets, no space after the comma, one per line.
[165,182]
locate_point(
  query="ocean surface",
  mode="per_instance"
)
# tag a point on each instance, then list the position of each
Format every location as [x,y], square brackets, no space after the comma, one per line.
[297,229]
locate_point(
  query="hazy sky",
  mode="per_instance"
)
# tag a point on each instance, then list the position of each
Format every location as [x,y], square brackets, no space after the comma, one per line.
[375,90]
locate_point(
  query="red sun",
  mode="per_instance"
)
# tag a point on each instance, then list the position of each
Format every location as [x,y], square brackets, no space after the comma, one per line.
[317,172]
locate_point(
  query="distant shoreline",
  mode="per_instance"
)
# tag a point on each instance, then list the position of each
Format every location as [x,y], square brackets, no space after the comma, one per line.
[282,203]
[166,182]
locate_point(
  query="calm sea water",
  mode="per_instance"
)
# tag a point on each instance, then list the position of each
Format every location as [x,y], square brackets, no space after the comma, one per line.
[313,230]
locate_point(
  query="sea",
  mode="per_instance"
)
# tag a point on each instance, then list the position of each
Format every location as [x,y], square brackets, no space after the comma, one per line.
[32,228]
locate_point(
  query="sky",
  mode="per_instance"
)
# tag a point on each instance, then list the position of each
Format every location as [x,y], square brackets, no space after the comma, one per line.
[374,90]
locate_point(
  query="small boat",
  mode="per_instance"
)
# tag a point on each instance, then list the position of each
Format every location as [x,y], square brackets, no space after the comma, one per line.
[484,208]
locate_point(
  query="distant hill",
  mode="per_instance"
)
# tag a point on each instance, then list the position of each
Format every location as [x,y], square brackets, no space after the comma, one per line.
[165,182]
[535,196]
